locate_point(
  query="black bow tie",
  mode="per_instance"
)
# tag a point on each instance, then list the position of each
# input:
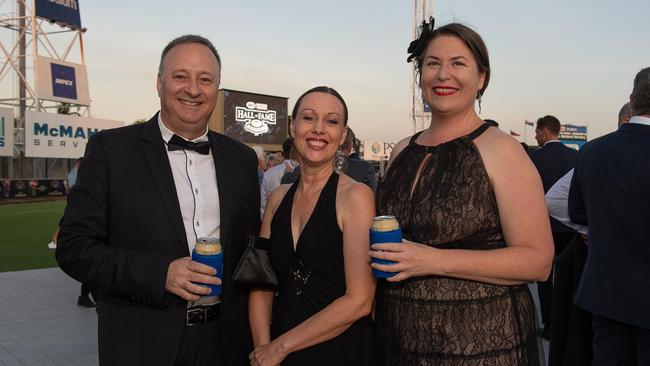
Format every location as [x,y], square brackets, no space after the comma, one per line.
[179,143]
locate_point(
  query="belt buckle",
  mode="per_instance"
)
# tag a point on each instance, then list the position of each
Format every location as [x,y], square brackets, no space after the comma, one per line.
[201,313]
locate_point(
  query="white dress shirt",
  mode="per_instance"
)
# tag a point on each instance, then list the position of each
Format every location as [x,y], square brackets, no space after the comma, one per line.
[195,179]
[557,201]
[272,179]
[640,120]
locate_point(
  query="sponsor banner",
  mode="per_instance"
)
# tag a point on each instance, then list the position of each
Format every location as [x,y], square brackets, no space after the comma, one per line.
[6,132]
[64,12]
[573,132]
[10,189]
[59,135]
[377,150]
[254,118]
[62,81]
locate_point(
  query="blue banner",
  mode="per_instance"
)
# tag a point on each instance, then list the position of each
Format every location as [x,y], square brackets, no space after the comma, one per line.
[64,82]
[60,11]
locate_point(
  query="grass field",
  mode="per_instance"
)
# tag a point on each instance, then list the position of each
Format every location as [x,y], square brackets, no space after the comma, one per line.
[25,230]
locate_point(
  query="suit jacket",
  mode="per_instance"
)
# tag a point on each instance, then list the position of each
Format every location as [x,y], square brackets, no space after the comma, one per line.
[571,334]
[609,192]
[123,227]
[362,171]
[553,161]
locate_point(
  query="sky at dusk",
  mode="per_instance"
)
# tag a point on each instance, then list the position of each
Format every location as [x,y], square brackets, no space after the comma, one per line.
[573,59]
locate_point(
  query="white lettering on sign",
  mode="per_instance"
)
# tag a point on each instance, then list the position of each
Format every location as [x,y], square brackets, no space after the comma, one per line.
[72,4]
[256,117]
[63,81]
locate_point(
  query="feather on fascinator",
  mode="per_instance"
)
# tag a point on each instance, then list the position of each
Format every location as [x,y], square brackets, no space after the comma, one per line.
[416,48]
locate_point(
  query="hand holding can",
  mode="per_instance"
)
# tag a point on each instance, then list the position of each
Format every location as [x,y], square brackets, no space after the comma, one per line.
[208,251]
[385,229]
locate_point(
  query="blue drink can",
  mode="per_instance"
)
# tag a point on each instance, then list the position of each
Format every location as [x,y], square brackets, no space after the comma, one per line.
[208,251]
[385,229]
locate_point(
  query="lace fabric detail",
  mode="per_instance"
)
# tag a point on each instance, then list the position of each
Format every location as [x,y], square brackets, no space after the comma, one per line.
[442,197]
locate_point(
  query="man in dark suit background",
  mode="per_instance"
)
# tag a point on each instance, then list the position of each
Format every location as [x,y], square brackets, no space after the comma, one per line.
[144,195]
[359,170]
[553,160]
[609,192]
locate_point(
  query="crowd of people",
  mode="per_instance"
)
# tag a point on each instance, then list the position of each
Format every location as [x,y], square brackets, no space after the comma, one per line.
[469,200]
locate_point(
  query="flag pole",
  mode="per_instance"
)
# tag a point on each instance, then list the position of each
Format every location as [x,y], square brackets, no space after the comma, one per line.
[525,131]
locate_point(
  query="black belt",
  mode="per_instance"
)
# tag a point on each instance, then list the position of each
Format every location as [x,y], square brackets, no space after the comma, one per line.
[202,314]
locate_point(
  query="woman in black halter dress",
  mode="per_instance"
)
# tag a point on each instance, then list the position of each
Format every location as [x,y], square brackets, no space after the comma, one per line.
[319,249]
[472,212]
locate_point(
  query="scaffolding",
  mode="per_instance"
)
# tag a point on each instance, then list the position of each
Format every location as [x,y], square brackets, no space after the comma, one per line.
[420,114]
[24,37]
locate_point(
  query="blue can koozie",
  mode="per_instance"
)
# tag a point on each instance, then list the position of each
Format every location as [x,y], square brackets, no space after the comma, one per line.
[208,251]
[385,229]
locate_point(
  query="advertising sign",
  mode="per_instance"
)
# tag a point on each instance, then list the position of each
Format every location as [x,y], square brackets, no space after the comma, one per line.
[6,132]
[64,12]
[10,189]
[59,135]
[251,118]
[573,136]
[377,150]
[62,81]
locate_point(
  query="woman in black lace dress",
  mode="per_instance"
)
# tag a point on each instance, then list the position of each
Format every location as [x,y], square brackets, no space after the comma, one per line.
[475,225]
[318,228]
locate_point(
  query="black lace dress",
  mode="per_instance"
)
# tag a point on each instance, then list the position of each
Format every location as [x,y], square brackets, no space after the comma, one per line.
[312,277]
[435,320]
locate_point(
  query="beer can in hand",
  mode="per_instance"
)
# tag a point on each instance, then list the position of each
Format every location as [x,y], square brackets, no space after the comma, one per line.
[385,229]
[208,251]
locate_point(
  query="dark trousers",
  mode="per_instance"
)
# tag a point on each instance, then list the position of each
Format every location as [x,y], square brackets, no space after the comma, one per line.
[202,345]
[87,289]
[617,343]
[545,289]
[571,334]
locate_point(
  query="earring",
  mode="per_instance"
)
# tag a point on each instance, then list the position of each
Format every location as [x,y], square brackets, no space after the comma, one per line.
[340,162]
[479,101]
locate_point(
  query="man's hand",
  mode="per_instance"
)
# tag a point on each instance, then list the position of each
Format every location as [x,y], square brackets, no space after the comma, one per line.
[181,274]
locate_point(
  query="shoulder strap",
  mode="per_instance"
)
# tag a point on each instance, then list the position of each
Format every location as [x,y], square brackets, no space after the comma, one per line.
[414,137]
[478,131]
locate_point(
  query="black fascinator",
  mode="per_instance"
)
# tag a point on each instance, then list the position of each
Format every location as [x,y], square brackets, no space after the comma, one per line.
[416,48]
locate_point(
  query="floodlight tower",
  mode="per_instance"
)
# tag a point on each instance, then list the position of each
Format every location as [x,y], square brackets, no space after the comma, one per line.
[34,34]
[420,113]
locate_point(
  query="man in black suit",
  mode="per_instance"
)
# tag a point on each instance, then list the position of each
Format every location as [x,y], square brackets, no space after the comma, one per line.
[359,170]
[609,192]
[144,195]
[553,160]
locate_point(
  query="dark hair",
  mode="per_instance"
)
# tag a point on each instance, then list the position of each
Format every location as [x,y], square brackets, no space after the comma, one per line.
[348,143]
[472,40]
[550,123]
[188,38]
[287,145]
[321,89]
[640,98]
[625,113]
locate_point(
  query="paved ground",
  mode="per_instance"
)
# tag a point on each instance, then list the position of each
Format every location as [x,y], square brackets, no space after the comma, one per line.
[41,324]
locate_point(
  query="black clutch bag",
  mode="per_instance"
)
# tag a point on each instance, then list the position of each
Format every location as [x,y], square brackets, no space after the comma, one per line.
[254,268]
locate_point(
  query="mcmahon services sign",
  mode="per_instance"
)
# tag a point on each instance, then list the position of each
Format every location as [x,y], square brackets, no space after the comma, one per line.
[59,135]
